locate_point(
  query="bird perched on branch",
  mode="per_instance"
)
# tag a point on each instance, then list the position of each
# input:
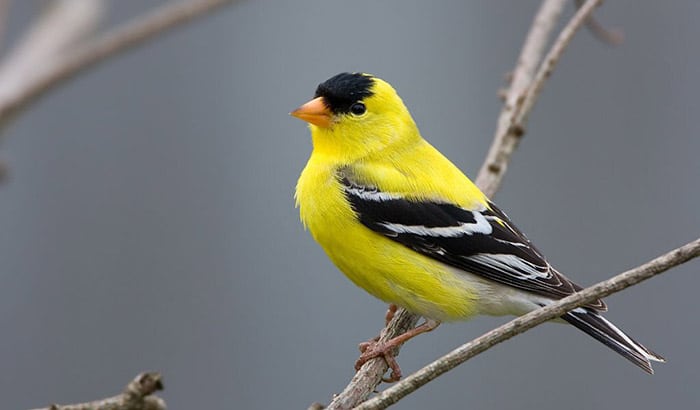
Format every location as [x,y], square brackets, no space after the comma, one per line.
[405,224]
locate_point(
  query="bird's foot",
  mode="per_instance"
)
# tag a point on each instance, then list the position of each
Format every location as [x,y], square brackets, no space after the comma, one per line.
[375,348]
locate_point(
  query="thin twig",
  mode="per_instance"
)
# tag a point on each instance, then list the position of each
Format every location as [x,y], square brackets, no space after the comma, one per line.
[370,375]
[136,396]
[523,323]
[122,38]
[613,37]
[522,111]
[506,137]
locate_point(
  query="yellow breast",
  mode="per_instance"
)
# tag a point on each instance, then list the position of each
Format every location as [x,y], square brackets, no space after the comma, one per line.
[384,268]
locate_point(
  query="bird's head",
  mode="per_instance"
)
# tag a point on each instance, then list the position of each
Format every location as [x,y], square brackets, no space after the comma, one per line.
[355,115]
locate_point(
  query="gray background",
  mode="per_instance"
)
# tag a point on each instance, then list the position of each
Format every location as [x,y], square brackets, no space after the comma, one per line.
[148,222]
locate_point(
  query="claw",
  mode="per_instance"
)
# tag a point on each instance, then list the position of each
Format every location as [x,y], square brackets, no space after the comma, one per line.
[375,348]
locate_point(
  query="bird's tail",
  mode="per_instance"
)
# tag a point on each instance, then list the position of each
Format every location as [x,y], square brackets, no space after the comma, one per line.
[605,332]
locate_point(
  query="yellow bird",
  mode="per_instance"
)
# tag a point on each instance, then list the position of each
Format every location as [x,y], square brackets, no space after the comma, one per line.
[405,224]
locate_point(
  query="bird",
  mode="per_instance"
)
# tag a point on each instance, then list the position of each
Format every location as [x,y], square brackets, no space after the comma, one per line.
[401,221]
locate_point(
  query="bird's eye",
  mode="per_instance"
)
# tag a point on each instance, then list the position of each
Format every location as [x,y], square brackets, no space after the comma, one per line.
[358,108]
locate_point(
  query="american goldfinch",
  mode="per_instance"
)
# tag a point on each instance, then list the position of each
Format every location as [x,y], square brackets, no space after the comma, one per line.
[405,224]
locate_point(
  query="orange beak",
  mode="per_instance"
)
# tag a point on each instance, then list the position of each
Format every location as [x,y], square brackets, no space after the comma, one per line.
[314,112]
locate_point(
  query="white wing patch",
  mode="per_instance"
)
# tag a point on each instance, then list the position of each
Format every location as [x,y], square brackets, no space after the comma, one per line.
[481,226]
[371,194]
[514,265]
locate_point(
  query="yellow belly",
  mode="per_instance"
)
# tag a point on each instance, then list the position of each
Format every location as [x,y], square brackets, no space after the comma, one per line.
[384,268]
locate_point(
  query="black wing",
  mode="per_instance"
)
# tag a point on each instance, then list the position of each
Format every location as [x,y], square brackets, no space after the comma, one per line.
[483,242]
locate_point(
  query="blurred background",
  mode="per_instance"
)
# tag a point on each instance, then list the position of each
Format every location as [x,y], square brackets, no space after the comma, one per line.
[148,219]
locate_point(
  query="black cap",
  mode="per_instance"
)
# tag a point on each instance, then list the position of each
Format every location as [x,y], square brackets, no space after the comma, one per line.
[342,90]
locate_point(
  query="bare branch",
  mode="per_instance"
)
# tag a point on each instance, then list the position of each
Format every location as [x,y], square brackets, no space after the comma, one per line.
[370,375]
[64,24]
[522,111]
[136,396]
[523,323]
[613,37]
[131,34]
[506,137]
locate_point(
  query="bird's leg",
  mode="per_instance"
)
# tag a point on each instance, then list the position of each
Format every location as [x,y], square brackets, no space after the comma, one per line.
[374,348]
[390,312]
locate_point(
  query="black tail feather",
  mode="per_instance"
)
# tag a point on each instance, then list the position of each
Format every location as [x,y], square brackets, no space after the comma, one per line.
[607,333]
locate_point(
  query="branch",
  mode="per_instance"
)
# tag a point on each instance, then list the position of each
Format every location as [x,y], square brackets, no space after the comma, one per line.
[64,24]
[370,375]
[522,111]
[506,137]
[136,396]
[613,37]
[523,323]
[522,96]
[131,34]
